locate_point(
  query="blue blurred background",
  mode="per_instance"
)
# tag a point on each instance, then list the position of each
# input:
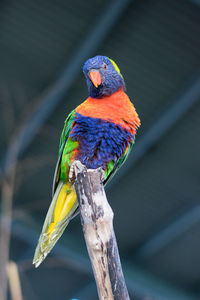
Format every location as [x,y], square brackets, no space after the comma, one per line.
[155,196]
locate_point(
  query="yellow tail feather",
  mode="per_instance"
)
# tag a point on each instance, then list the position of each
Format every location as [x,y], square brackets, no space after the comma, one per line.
[62,207]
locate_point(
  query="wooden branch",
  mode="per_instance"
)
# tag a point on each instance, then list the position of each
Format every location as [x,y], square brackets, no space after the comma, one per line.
[97,223]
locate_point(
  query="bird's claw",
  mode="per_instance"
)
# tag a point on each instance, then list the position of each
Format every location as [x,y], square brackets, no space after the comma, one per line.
[75,168]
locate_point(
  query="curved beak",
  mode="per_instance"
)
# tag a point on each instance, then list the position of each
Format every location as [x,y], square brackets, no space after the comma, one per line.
[95,77]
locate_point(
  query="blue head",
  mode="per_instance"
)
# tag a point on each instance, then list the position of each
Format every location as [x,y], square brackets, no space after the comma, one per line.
[103,76]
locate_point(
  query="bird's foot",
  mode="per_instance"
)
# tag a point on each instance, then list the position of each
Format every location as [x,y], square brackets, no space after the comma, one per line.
[75,168]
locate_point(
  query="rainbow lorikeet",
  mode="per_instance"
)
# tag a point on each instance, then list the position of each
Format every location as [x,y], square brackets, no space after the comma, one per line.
[100,132]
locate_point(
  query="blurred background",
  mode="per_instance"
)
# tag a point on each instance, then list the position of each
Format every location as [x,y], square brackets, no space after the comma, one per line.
[155,196]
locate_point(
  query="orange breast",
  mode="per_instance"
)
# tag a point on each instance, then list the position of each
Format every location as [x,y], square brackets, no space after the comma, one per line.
[116,108]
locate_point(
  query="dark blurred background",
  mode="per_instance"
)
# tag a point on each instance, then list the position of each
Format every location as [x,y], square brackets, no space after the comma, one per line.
[155,196]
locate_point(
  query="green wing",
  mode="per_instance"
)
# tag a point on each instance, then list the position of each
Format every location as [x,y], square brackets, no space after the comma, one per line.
[66,130]
[63,139]
[113,167]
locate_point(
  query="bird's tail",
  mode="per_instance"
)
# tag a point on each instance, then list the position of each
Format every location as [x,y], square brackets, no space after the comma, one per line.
[61,209]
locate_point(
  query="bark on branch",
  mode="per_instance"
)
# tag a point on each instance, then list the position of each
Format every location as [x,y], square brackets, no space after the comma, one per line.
[97,223]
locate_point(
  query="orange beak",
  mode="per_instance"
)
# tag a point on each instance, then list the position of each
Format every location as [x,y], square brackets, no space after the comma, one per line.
[95,77]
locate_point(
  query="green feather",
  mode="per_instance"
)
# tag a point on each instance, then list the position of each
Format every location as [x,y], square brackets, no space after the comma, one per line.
[66,159]
[112,167]
[62,146]
[66,130]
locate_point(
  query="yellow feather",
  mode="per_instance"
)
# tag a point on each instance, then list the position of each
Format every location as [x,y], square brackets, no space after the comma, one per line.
[60,202]
[64,203]
[62,207]
[115,66]
[71,199]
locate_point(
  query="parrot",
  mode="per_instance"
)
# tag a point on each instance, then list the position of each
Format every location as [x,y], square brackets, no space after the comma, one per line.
[100,132]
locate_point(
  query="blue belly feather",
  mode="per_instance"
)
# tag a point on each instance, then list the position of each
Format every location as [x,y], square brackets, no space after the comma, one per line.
[99,141]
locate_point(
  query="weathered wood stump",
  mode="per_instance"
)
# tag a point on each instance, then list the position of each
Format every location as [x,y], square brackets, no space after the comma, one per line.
[97,223]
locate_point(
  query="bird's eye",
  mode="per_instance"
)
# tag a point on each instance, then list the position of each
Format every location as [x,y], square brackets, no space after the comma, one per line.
[105,66]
